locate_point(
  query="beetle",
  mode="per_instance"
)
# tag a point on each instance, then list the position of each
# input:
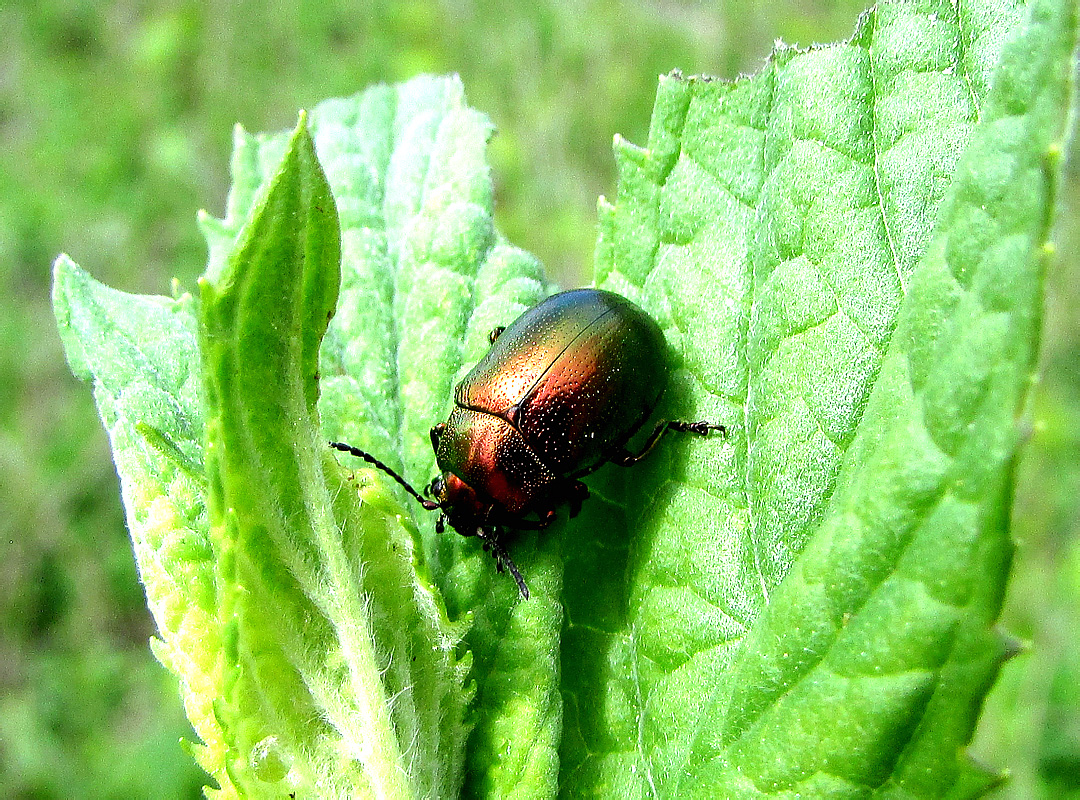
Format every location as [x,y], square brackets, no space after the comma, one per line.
[560,392]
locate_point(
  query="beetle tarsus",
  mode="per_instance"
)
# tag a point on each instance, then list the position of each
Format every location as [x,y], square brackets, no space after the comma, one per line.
[505,558]
[495,333]
[626,459]
[701,428]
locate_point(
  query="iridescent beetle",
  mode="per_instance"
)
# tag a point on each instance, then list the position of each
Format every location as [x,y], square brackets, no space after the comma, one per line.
[559,394]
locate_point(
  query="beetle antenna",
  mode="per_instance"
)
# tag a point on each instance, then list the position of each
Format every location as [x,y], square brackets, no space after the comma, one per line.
[430,505]
[502,559]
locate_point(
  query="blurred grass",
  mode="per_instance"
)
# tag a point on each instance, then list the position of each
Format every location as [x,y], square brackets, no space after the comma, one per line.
[115,125]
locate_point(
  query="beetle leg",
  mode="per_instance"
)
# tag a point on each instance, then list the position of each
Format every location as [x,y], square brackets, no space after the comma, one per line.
[502,559]
[579,496]
[436,433]
[495,333]
[440,523]
[625,458]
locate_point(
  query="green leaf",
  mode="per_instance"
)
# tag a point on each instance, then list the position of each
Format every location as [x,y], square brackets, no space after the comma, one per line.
[809,605]
[425,278]
[341,674]
[141,354]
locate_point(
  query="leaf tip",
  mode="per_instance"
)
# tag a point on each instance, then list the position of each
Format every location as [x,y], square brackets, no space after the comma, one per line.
[64,271]
[627,151]
[65,292]
[205,286]
[63,261]
[977,779]
[1011,646]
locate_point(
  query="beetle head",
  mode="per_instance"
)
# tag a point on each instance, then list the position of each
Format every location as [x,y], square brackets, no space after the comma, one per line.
[459,503]
[470,516]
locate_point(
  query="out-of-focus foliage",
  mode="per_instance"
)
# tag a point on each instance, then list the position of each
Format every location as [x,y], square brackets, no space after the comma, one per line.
[114,126]
[1031,721]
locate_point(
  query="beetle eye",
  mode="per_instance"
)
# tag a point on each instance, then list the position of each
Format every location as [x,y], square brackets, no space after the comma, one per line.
[435,488]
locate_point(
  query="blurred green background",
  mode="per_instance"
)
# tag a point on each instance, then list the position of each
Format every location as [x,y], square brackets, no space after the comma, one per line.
[115,127]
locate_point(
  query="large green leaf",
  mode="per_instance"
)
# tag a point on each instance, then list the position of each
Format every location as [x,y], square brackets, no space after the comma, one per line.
[845,252]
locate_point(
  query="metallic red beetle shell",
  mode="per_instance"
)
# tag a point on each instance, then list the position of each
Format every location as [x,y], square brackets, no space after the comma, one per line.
[560,390]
